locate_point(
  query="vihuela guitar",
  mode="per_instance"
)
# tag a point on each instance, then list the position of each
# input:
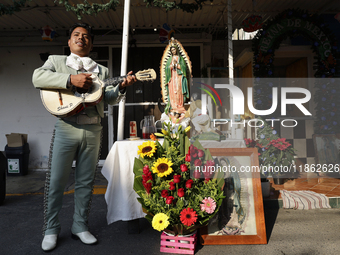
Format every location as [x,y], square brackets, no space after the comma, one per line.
[63,102]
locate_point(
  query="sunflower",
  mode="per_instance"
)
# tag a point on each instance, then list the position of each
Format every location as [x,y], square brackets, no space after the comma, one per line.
[160,221]
[162,167]
[188,217]
[147,149]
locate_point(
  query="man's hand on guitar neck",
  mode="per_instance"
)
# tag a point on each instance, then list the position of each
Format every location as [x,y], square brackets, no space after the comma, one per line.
[128,81]
[82,80]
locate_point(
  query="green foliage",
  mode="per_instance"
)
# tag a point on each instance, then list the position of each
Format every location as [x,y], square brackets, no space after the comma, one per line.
[326,65]
[93,9]
[10,9]
[89,9]
[171,5]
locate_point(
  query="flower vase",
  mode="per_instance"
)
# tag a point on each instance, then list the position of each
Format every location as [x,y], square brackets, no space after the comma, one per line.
[180,244]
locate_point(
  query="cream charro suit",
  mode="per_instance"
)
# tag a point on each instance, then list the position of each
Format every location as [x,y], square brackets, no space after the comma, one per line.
[72,141]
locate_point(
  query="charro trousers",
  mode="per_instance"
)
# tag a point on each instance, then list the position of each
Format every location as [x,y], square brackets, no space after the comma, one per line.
[72,141]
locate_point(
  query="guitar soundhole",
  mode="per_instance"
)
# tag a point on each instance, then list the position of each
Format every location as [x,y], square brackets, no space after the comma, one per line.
[83,91]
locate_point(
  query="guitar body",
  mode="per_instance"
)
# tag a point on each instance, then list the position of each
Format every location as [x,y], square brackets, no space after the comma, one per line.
[72,101]
[63,102]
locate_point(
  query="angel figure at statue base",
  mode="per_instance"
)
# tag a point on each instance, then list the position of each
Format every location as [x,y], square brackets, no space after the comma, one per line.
[184,122]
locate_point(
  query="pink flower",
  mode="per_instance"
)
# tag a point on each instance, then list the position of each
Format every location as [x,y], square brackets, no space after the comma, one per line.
[209,205]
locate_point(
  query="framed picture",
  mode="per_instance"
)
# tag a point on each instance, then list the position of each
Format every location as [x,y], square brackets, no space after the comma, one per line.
[240,219]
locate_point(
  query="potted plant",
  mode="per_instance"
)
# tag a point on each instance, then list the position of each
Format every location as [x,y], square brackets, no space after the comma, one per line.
[276,157]
[174,202]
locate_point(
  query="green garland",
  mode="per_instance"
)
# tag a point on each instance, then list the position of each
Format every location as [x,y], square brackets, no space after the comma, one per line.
[93,9]
[89,9]
[16,7]
[171,5]
[269,39]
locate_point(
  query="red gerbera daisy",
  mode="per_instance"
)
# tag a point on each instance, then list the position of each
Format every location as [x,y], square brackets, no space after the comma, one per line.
[188,216]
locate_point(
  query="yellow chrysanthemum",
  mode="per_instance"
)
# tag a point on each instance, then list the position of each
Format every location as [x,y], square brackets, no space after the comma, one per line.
[162,167]
[147,149]
[160,221]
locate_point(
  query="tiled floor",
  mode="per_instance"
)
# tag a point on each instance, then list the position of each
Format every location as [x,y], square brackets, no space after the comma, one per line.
[328,186]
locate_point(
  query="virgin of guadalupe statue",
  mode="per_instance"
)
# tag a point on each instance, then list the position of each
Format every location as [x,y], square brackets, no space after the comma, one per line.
[175,80]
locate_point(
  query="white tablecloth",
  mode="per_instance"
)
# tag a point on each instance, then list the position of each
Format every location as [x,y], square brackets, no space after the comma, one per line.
[120,196]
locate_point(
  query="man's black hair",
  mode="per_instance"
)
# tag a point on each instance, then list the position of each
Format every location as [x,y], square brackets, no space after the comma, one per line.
[83,25]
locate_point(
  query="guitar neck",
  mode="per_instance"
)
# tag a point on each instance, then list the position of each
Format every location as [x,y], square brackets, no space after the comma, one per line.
[114,81]
[145,75]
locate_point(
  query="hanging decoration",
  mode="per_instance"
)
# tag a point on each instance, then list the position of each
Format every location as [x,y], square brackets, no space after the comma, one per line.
[165,33]
[47,33]
[293,23]
[93,9]
[10,9]
[252,23]
[89,9]
[171,5]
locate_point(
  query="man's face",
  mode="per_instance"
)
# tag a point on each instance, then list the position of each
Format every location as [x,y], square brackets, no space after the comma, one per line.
[80,42]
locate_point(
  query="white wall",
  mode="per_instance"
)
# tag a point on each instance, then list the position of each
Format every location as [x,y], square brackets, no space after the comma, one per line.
[20,104]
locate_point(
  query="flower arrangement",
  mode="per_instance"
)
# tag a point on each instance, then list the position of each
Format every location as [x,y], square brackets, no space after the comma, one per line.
[173,201]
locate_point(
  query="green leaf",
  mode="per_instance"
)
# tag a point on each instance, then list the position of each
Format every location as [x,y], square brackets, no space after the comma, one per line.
[149,218]
[138,184]
[181,144]
[138,167]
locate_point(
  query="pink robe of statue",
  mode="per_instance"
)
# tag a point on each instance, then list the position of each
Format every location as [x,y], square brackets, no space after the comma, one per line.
[175,89]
